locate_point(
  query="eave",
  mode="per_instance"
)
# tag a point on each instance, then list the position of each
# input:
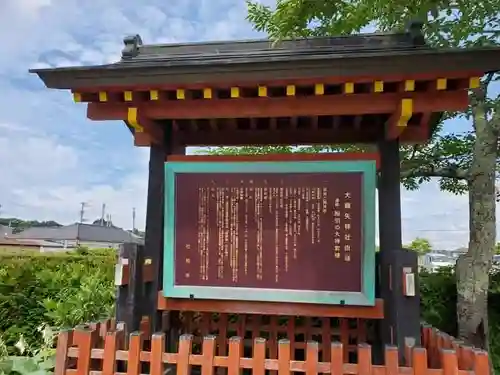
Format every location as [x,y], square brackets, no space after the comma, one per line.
[352,89]
[237,69]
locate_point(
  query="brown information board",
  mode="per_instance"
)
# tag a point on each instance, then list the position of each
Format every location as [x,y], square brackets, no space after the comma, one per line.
[298,231]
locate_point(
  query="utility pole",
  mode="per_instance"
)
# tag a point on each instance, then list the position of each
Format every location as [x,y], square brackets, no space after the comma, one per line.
[133,220]
[82,218]
[82,211]
[103,213]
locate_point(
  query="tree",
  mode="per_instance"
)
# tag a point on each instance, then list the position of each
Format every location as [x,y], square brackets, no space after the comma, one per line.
[497,248]
[463,162]
[420,245]
[19,225]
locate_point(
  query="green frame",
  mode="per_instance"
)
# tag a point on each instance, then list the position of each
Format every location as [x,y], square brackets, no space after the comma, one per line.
[364,298]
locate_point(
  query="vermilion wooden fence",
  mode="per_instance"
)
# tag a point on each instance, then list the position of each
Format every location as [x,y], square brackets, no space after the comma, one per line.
[298,330]
[102,349]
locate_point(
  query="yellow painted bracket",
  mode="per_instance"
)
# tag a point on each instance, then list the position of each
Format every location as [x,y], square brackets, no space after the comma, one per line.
[207,93]
[378,86]
[474,82]
[441,84]
[235,92]
[349,88]
[181,94]
[133,121]
[77,97]
[262,91]
[103,96]
[319,89]
[410,85]
[153,95]
[406,111]
[290,90]
[128,96]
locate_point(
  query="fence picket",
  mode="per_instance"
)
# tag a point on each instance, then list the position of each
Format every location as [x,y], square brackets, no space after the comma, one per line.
[235,353]
[185,347]
[96,354]
[284,357]
[364,359]
[134,353]
[481,362]
[449,362]
[419,361]
[157,350]
[336,359]
[391,360]
[64,342]
[259,356]
[84,336]
[312,353]
[208,353]
[109,360]
[467,357]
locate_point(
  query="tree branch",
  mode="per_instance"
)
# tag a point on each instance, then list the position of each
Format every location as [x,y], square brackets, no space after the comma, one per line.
[488,79]
[431,171]
[493,32]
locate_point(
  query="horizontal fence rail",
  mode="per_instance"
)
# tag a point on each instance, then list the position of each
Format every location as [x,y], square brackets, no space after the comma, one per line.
[102,349]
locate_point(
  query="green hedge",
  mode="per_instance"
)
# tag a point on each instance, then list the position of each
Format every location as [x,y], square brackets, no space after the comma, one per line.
[61,290]
[66,290]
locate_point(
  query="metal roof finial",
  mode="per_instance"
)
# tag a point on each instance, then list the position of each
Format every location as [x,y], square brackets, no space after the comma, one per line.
[132,44]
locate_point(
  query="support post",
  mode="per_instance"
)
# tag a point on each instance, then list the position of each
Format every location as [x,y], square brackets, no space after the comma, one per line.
[153,241]
[401,323]
[130,297]
[154,231]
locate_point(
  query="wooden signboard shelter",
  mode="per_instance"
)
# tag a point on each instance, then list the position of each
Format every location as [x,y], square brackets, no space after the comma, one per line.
[261,237]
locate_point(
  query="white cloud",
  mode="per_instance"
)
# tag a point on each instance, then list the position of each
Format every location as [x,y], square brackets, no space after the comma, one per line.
[45,179]
[52,158]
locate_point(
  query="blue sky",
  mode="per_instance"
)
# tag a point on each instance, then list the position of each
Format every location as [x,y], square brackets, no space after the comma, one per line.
[52,158]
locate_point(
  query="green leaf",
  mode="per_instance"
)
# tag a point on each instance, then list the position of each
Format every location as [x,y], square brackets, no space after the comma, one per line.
[24,365]
[6,365]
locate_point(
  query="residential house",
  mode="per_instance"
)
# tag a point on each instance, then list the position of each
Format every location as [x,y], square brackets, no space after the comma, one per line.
[436,259]
[86,235]
[5,231]
[12,245]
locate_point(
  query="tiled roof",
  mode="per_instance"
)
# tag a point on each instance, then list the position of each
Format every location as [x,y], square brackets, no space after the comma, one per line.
[351,55]
[23,242]
[82,232]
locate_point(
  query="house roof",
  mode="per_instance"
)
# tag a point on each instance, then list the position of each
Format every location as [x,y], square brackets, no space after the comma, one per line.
[353,55]
[81,232]
[29,243]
